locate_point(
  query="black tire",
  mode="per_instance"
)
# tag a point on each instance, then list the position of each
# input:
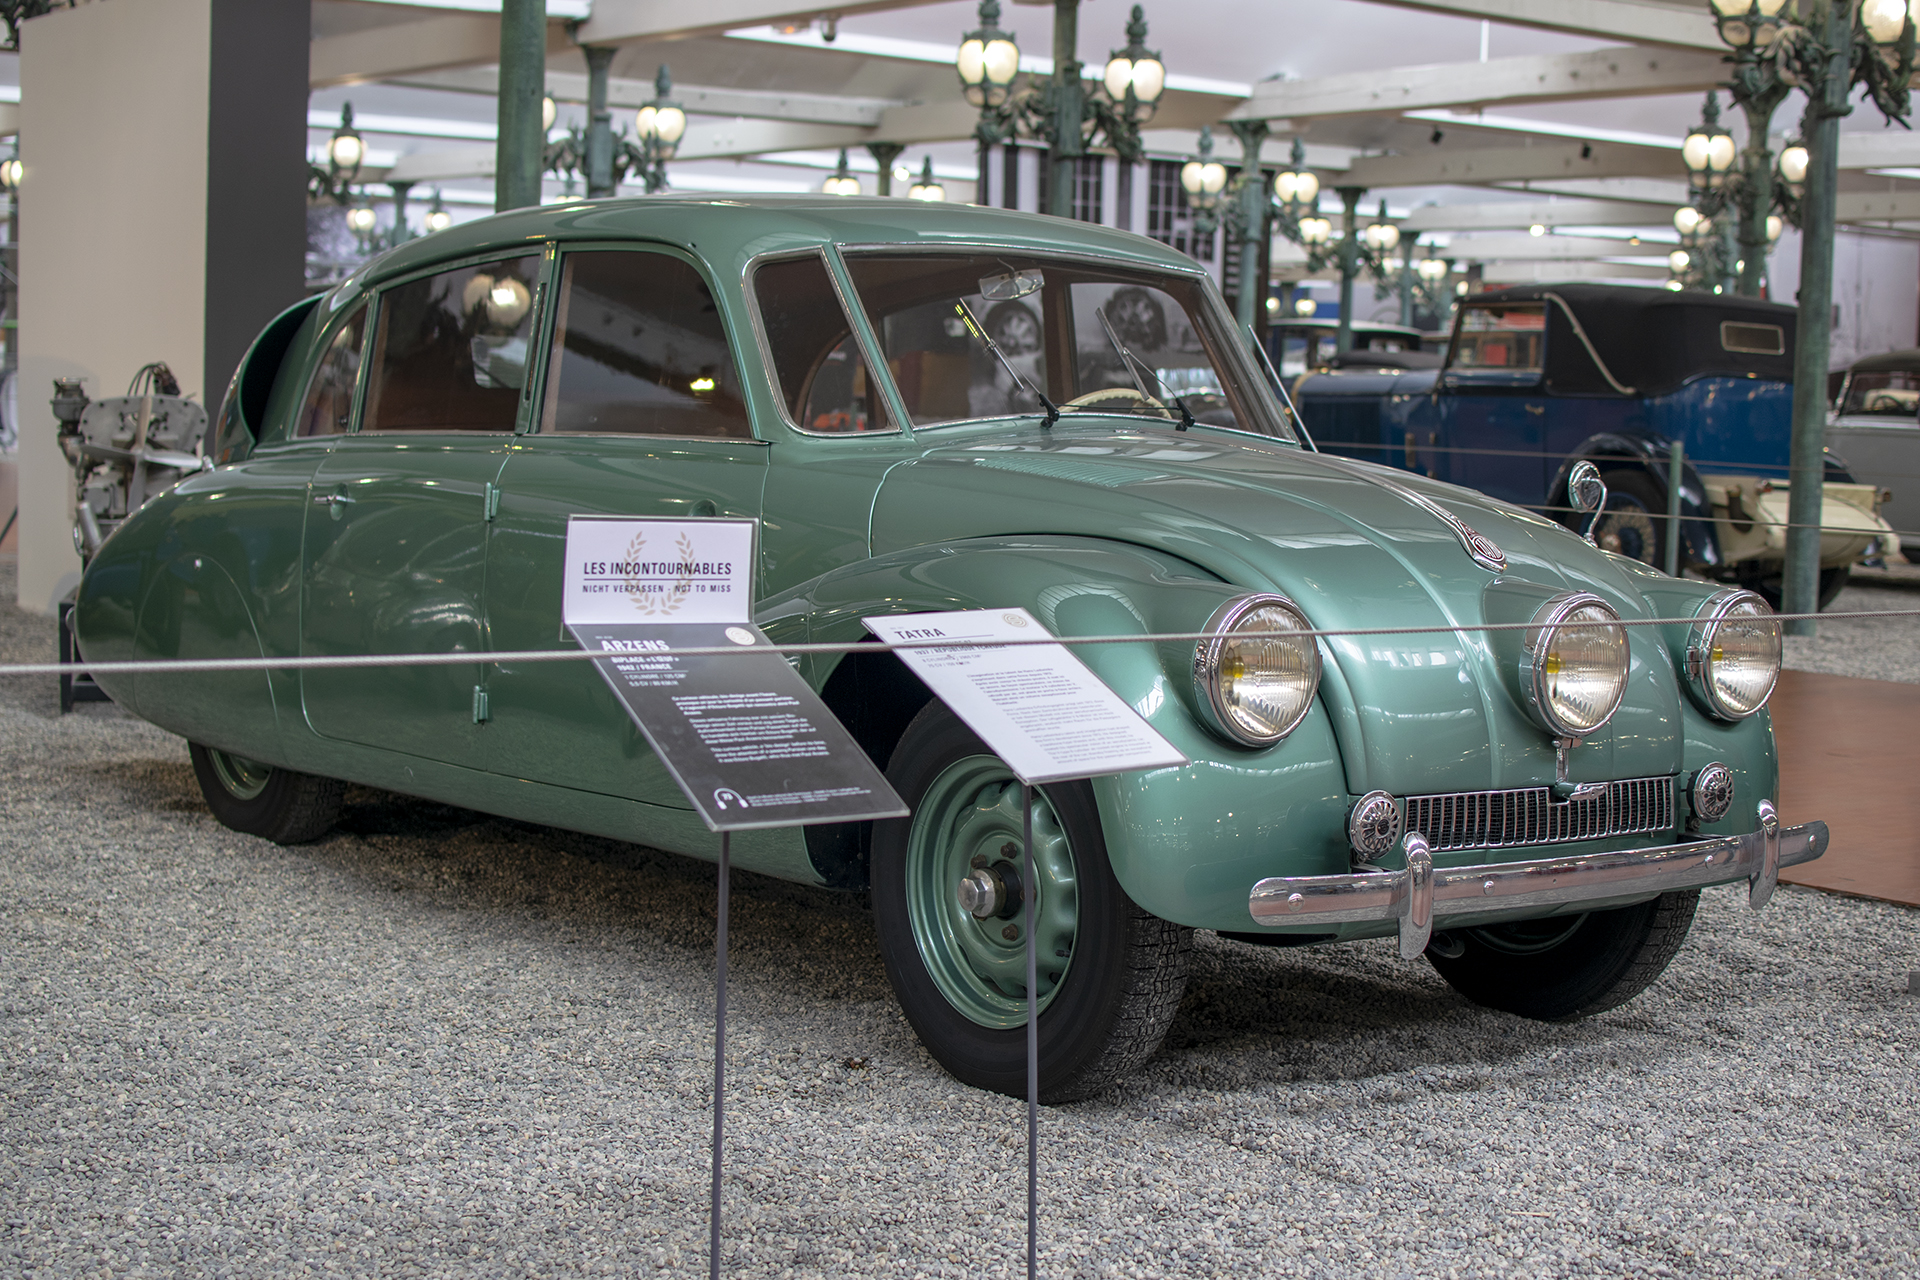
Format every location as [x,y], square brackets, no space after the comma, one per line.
[1126,969]
[1771,585]
[1568,967]
[1633,523]
[262,800]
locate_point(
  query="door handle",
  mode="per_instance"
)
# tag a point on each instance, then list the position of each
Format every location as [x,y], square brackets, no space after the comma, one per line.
[336,502]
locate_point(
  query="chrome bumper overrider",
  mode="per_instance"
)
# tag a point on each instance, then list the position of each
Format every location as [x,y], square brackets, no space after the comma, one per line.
[1422,893]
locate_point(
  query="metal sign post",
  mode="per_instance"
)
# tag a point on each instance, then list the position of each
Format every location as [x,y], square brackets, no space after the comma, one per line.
[747,740]
[1049,719]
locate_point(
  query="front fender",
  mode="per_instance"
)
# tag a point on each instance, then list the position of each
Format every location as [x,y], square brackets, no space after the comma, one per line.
[1182,842]
[1699,542]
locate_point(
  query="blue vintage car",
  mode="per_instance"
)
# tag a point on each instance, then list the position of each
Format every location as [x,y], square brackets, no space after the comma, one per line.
[1537,378]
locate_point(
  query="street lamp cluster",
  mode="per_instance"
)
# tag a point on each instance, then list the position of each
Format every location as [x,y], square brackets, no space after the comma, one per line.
[1059,111]
[339,182]
[606,156]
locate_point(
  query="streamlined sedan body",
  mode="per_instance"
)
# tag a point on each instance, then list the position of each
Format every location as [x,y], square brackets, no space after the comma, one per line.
[932,408]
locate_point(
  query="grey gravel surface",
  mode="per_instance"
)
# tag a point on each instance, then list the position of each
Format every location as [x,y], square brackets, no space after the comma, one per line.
[1866,648]
[436,1043]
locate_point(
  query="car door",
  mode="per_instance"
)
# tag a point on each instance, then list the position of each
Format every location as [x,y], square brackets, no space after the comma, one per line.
[1878,434]
[394,560]
[1491,421]
[641,414]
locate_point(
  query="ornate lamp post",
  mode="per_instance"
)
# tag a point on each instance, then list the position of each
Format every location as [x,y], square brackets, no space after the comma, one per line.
[1060,111]
[438,219]
[927,188]
[1825,48]
[346,152]
[659,127]
[841,181]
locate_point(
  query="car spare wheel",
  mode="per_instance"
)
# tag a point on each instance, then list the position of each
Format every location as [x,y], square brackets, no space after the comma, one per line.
[1110,974]
[1566,967]
[263,800]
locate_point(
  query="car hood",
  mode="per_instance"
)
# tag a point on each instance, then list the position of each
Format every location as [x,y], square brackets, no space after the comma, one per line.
[1355,547]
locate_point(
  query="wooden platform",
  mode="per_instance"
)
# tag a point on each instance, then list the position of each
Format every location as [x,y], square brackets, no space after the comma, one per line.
[1848,757]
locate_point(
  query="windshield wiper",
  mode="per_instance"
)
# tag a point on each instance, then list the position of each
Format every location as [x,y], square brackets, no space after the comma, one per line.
[980,331]
[1133,363]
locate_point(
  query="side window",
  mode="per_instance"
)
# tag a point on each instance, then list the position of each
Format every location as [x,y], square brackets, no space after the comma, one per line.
[329,400]
[1496,337]
[1894,393]
[823,379]
[450,350]
[639,348]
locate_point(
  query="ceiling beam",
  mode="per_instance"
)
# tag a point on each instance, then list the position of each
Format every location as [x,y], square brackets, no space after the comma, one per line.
[1521,247]
[1860,206]
[628,21]
[1672,193]
[1891,149]
[1520,214]
[1636,21]
[1599,73]
[567,86]
[1511,164]
[430,44]
[1553,272]
[909,125]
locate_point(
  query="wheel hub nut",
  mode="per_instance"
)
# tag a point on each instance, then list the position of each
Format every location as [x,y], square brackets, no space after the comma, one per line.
[980,894]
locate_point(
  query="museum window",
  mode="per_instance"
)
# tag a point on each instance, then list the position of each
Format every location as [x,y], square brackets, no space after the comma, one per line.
[639,348]
[328,407]
[824,381]
[1089,187]
[1169,216]
[451,349]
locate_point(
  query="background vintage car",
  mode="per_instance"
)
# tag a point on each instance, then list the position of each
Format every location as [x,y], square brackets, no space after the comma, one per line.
[398,460]
[1540,376]
[1876,427]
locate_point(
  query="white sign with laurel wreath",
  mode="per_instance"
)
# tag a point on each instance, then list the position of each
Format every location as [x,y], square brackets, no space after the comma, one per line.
[636,570]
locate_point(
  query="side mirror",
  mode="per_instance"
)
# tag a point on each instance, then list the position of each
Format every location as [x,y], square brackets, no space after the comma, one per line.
[1587,492]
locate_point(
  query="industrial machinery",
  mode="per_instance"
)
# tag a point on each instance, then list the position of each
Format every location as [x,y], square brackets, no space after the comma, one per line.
[126,449]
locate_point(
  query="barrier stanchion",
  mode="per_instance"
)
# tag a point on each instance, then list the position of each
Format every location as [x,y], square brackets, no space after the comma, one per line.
[1033,1042]
[1675,462]
[1014,695]
[719,1051]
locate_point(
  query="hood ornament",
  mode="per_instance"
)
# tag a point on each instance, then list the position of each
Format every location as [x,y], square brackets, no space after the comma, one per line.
[1481,549]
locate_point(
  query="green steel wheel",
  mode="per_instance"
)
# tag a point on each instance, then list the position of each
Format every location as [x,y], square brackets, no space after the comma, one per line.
[265,800]
[1561,968]
[949,904]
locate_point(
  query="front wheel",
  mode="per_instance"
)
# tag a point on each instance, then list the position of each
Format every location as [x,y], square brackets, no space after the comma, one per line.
[1110,975]
[265,800]
[1566,967]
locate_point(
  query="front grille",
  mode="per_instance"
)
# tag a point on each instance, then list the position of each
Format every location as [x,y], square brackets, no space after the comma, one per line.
[1502,819]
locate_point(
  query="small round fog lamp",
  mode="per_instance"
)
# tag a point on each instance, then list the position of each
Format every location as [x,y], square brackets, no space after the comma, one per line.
[1711,792]
[1373,826]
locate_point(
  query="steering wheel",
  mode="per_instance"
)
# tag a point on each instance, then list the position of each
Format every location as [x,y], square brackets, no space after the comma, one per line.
[1119,397]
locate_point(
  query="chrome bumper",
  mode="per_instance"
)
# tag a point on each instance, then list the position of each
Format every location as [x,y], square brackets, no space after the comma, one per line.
[1422,893]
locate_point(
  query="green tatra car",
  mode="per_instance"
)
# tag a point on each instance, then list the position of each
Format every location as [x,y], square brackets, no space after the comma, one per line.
[935,408]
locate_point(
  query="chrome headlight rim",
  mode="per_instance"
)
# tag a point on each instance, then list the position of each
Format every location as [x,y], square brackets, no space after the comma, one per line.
[1207,693]
[1540,634]
[1713,614]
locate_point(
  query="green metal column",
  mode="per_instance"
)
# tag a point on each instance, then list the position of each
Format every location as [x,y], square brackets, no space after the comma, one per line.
[519,153]
[401,231]
[1252,222]
[884,154]
[1832,24]
[1069,107]
[599,121]
[1349,266]
[1756,195]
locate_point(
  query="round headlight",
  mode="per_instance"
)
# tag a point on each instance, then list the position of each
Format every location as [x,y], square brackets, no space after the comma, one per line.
[1254,688]
[1733,654]
[1574,671]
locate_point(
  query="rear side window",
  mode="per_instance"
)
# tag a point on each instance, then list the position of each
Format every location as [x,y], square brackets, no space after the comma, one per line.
[450,350]
[328,405]
[1510,337]
[639,349]
[824,381]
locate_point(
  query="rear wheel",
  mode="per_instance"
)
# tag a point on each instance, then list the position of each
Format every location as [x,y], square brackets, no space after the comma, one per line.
[265,800]
[1634,523]
[1110,974]
[1566,967]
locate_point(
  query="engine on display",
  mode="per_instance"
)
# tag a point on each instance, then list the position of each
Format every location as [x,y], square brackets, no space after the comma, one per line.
[126,449]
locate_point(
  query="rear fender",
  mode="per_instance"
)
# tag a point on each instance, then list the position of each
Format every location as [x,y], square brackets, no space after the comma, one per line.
[1181,841]
[1699,543]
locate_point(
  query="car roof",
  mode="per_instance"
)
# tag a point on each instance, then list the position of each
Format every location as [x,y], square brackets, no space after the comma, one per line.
[1899,361]
[733,230]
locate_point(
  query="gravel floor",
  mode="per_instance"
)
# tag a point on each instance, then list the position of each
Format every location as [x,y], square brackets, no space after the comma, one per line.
[441,1044]
[1869,648]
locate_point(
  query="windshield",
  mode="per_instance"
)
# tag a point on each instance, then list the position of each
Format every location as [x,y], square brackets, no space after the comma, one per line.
[1890,393]
[980,335]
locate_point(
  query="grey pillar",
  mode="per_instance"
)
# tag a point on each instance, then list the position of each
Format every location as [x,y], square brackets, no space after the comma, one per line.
[256,176]
[520,151]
